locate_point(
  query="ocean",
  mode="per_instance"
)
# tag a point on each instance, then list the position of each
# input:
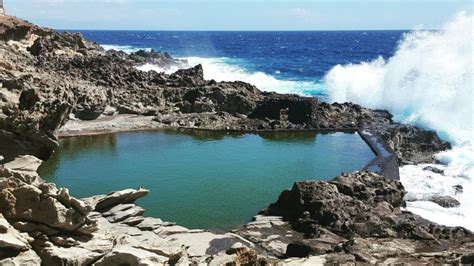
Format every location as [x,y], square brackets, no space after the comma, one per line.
[422,77]
[287,62]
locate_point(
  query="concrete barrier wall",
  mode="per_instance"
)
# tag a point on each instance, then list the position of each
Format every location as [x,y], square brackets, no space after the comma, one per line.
[386,161]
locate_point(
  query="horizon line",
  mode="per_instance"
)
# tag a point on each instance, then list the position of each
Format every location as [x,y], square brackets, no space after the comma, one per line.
[242,30]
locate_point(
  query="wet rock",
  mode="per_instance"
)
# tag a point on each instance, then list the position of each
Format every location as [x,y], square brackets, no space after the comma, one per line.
[434,170]
[412,144]
[458,188]
[445,201]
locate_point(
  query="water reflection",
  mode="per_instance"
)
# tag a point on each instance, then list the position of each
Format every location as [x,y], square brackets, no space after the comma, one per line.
[74,147]
[202,179]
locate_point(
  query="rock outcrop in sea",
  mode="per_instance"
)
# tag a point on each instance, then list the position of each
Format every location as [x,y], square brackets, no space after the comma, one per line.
[58,83]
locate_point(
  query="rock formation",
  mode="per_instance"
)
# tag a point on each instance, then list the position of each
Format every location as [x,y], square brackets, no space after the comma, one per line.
[49,78]
[355,218]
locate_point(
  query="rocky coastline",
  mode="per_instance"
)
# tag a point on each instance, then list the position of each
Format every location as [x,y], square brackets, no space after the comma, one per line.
[58,84]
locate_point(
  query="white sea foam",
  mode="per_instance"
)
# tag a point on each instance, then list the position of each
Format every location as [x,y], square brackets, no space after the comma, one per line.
[167,70]
[220,70]
[125,48]
[429,83]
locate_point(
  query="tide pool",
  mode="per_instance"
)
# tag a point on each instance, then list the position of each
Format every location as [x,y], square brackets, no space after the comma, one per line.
[202,179]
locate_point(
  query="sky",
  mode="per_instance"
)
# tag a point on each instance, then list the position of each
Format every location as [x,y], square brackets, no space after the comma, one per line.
[238,15]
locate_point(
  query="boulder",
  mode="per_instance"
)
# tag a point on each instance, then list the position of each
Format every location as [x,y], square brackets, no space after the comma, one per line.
[11,240]
[25,164]
[413,145]
[122,214]
[359,204]
[120,197]
[445,201]
[28,257]
[43,204]
[126,255]
[434,170]
[90,103]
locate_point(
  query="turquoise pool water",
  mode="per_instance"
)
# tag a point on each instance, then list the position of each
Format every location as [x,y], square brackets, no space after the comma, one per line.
[202,179]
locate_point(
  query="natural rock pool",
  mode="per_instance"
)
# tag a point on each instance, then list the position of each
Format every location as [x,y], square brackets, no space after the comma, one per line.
[202,179]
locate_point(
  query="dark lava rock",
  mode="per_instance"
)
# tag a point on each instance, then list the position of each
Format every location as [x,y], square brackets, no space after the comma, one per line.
[445,201]
[361,203]
[90,103]
[359,214]
[66,42]
[298,249]
[156,58]
[292,108]
[458,188]
[467,259]
[434,170]
[413,145]
[358,204]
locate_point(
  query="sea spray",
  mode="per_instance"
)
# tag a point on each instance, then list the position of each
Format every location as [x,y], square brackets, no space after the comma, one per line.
[124,48]
[428,83]
[220,69]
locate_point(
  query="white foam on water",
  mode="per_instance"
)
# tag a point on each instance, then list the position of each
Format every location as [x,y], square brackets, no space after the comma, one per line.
[125,48]
[429,83]
[149,67]
[220,70]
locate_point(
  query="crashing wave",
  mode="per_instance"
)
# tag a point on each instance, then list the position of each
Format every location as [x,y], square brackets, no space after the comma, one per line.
[429,83]
[220,70]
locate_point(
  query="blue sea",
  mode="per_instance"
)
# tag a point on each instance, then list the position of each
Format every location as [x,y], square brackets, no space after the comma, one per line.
[286,61]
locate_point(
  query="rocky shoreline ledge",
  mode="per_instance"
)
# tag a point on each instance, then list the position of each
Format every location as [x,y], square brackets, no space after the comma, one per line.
[58,84]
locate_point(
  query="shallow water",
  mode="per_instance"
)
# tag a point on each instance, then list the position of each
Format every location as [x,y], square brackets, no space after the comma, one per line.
[202,179]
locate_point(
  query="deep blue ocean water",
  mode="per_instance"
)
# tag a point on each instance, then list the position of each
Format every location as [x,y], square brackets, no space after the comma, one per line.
[266,59]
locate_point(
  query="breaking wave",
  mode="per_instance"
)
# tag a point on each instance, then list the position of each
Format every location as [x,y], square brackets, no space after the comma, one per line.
[220,69]
[224,69]
[125,48]
[429,83]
